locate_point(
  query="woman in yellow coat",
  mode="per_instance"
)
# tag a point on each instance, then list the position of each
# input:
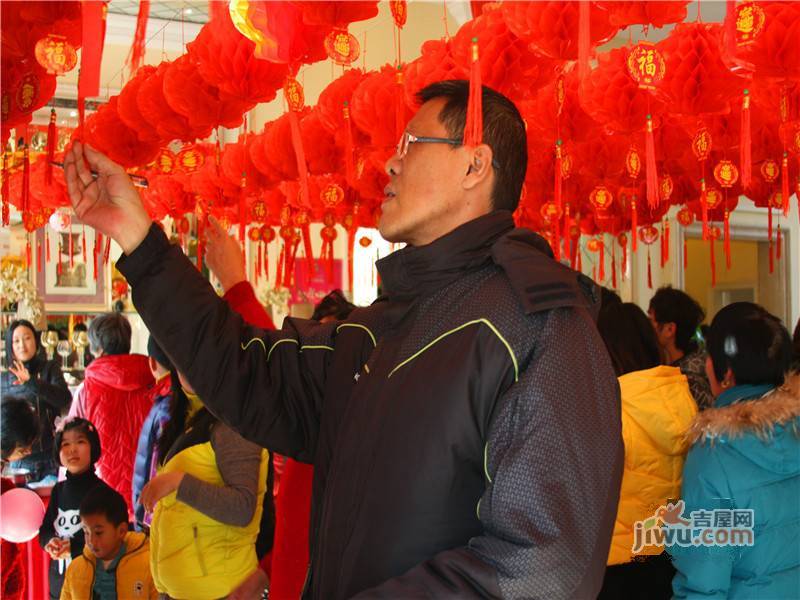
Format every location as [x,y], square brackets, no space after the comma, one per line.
[657,409]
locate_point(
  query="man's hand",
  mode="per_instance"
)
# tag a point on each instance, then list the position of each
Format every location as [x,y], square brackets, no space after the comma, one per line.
[109,202]
[251,588]
[224,256]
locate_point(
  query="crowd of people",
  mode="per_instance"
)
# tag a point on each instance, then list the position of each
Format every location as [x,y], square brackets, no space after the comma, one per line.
[493,426]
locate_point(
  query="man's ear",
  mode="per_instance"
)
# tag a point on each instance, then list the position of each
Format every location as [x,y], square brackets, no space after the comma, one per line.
[480,167]
[670,329]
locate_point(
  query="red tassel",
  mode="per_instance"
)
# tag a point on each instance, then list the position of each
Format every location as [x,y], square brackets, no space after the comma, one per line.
[51,147]
[47,246]
[704,208]
[584,38]
[6,208]
[613,266]
[473,129]
[557,175]
[661,252]
[38,257]
[624,261]
[566,235]
[399,105]
[351,246]
[555,230]
[26,180]
[265,262]
[95,252]
[634,224]
[727,246]
[94,32]
[666,241]
[651,170]
[307,249]
[83,242]
[28,258]
[780,242]
[300,155]
[730,27]
[685,254]
[81,116]
[137,48]
[71,245]
[785,183]
[580,258]
[771,248]
[745,142]
[107,251]
[713,262]
[602,270]
[279,273]
[649,270]
[349,146]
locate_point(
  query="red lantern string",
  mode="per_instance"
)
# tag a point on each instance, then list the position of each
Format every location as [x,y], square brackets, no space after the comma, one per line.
[666,241]
[137,48]
[780,242]
[634,223]
[58,262]
[649,270]
[745,142]
[400,107]
[624,260]
[473,128]
[349,146]
[602,270]
[727,245]
[785,183]
[703,205]
[566,235]
[51,147]
[584,38]
[651,170]
[71,246]
[6,209]
[557,176]
[95,250]
[28,251]
[81,114]
[771,249]
[47,246]
[711,240]
[281,259]
[289,272]
[662,251]
[685,254]
[613,266]
[83,242]
[258,263]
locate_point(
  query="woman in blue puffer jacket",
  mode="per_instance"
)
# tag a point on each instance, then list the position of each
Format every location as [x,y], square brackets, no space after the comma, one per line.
[746,456]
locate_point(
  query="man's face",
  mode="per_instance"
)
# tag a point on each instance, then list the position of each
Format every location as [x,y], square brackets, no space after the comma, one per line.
[425,194]
[102,537]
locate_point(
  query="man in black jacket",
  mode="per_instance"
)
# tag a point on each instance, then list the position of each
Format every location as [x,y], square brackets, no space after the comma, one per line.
[465,428]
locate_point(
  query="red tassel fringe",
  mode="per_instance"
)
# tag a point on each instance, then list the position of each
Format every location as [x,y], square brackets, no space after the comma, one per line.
[727,227]
[613,266]
[713,263]
[780,242]
[473,129]
[602,269]
[745,142]
[350,171]
[649,270]
[26,180]
[584,38]
[51,147]
[557,175]
[771,248]
[785,184]
[651,170]
[137,48]
[634,224]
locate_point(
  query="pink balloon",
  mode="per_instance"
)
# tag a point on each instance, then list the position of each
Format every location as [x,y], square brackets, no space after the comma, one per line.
[21,515]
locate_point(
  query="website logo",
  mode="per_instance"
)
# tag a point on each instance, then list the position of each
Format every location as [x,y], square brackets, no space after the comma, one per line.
[670,527]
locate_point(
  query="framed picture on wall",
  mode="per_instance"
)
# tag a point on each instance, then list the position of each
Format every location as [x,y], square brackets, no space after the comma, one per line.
[67,281]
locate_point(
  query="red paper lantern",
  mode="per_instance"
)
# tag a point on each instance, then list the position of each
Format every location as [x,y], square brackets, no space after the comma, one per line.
[644,12]
[332,195]
[56,54]
[646,65]
[267,233]
[701,144]
[594,245]
[770,170]
[685,217]
[648,235]
[726,173]
[105,131]
[190,159]
[550,212]
[712,198]
[322,154]
[436,63]
[165,161]
[337,14]
[376,106]
[293,92]
[342,47]
[254,234]
[365,242]
[601,198]
[128,106]
[155,109]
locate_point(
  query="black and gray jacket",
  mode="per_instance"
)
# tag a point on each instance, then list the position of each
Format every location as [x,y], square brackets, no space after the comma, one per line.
[465,429]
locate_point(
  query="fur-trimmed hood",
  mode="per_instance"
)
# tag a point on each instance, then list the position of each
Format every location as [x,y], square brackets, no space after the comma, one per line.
[758,416]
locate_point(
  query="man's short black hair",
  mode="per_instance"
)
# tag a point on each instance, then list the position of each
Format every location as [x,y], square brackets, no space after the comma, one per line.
[751,342]
[20,426]
[675,306]
[503,132]
[106,501]
[110,333]
[156,352]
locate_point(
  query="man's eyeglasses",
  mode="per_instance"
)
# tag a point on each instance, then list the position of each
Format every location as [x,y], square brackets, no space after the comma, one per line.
[409,138]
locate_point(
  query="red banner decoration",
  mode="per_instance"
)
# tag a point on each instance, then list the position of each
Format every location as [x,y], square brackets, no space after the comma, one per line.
[94,33]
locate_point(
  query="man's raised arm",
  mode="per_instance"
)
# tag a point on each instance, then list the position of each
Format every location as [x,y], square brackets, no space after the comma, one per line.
[260,383]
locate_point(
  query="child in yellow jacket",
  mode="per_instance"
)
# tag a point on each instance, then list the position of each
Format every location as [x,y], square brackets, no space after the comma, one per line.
[115,563]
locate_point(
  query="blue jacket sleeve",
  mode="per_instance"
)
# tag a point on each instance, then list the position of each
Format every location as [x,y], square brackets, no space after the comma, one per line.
[703,572]
[141,466]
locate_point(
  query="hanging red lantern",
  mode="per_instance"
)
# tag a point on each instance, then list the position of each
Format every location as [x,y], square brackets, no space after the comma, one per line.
[701,144]
[27,92]
[184,226]
[56,54]
[726,173]
[594,244]
[776,200]
[332,195]
[666,187]
[254,234]
[365,242]
[550,212]
[646,65]
[657,13]
[685,217]
[342,47]
[714,232]
[399,10]
[750,19]
[267,234]
[258,211]
[165,161]
[293,92]
[633,162]
[601,197]
[770,170]
[189,160]
[712,198]
[648,235]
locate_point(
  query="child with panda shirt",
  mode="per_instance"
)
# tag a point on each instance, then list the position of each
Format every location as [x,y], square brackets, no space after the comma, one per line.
[77,448]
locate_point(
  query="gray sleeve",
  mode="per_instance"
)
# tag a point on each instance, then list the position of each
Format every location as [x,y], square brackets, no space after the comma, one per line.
[239,463]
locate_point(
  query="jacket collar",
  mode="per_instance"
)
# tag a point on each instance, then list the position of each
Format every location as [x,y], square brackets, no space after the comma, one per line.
[539,282]
[753,413]
[421,270]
